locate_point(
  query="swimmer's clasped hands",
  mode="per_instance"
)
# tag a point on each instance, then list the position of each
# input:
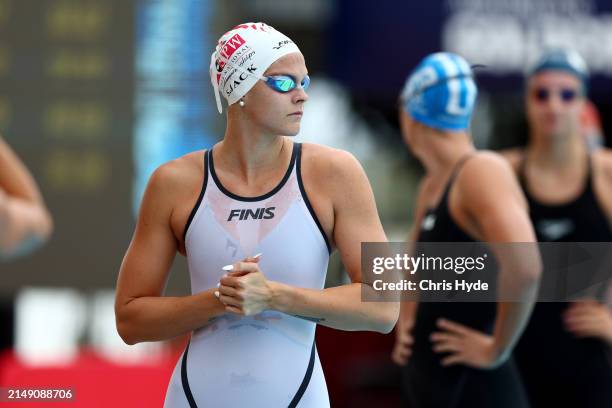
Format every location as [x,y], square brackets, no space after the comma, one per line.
[244,289]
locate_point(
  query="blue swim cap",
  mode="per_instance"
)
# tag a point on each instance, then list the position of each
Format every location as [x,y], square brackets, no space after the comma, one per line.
[560,59]
[441,92]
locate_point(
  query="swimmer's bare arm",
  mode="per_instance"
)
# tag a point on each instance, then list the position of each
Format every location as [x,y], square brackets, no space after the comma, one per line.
[496,211]
[142,313]
[602,164]
[409,308]
[25,221]
[403,337]
[356,221]
[593,317]
[341,307]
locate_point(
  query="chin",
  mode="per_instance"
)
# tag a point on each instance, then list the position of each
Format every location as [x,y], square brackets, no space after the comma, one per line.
[549,130]
[291,131]
[555,128]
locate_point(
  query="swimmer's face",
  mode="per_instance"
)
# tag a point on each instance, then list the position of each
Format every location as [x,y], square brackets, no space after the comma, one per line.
[554,102]
[276,112]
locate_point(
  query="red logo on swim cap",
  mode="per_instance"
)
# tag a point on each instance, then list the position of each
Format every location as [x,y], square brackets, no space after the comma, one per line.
[261,26]
[232,45]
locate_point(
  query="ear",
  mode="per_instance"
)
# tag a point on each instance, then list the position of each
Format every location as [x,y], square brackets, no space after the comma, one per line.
[404,119]
[406,126]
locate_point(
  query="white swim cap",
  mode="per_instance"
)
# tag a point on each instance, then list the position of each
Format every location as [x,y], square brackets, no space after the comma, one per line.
[242,56]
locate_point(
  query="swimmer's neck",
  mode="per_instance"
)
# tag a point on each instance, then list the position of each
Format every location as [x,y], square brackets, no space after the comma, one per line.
[440,152]
[556,152]
[247,150]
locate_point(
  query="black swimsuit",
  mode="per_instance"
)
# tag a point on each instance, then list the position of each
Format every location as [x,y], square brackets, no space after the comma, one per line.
[559,369]
[425,382]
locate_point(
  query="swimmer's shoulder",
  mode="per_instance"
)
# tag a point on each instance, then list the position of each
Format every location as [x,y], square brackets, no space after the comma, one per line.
[602,176]
[485,164]
[178,179]
[602,158]
[488,175]
[514,156]
[330,166]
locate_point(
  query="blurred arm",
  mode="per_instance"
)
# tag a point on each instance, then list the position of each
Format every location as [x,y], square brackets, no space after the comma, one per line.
[25,222]
[402,349]
[409,308]
[497,208]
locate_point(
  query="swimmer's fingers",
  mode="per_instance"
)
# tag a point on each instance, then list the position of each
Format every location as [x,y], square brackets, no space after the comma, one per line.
[585,302]
[446,347]
[578,318]
[405,338]
[403,347]
[591,314]
[245,267]
[444,342]
[231,292]
[231,304]
[454,327]
[230,281]
[465,345]
[400,354]
[453,359]
[595,324]
[584,328]
[438,337]
[253,259]
[233,309]
[230,301]
[584,308]
[241,268]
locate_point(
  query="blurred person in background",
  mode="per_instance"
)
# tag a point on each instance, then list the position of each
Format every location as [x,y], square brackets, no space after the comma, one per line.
[25,222]
[458,354]
[592,130]
[267,214]
[564,355]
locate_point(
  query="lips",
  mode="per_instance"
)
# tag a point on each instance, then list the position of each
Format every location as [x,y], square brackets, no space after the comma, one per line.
[299,113]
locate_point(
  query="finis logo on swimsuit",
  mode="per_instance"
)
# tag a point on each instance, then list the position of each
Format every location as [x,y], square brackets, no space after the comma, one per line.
[255,214]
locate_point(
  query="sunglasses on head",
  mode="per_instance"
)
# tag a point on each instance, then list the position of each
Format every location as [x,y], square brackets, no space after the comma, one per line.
[567,95]
[286,83]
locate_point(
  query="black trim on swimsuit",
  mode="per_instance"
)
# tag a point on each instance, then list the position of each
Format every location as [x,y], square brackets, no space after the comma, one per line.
[199,201]
[258,198]
[587,187]
[298,147]
[294,401]
[300,392]
[185,380]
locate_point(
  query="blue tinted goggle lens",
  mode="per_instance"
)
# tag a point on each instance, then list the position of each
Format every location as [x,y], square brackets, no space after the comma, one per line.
[285,83]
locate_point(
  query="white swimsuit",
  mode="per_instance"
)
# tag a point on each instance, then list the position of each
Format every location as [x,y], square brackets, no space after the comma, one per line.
[269,359]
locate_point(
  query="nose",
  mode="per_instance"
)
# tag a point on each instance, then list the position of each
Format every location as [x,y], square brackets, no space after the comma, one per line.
[554,102]
[299,95]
